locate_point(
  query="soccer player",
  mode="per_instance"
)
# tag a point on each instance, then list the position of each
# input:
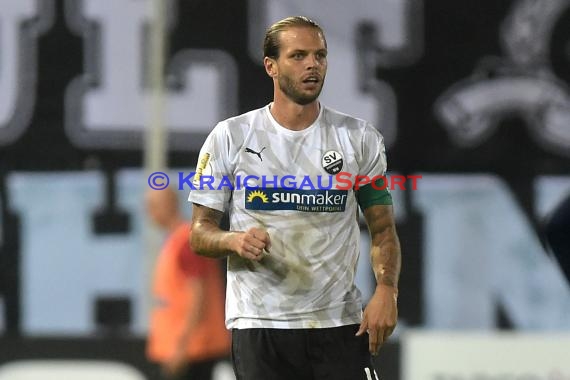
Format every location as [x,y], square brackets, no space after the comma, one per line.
[291,301]
[187,336]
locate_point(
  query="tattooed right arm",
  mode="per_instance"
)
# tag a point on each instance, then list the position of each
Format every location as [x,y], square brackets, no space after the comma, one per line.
[208,239]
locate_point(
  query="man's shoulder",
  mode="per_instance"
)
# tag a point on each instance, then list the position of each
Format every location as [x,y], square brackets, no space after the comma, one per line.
[181,233]
[354,128]
[343,120]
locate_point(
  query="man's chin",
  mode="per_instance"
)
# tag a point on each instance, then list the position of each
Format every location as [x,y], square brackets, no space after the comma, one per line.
[305,101]
[308,98]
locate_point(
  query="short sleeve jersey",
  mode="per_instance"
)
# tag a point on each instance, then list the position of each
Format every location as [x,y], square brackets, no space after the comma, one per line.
[296,185]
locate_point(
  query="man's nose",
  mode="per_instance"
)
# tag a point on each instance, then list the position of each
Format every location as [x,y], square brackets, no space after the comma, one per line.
[313,61]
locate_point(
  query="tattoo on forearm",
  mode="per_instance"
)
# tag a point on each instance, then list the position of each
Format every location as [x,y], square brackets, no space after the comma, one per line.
[207,237]
[385,245]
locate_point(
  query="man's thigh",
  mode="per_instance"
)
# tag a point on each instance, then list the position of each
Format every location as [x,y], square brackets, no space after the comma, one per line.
[303,354]
[338,354]
[261,354]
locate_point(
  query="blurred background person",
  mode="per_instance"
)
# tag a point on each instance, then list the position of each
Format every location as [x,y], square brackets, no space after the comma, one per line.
[187,335]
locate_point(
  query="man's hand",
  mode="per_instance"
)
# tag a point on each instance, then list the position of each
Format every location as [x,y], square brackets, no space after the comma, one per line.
[252,244]
[380,317]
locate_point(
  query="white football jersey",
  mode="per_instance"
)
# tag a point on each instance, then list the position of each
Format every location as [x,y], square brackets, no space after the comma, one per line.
[295,184]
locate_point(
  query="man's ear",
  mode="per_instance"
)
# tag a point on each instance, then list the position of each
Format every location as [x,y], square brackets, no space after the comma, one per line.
[270,66]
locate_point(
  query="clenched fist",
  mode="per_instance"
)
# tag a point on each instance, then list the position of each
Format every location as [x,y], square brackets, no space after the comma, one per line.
[252,244]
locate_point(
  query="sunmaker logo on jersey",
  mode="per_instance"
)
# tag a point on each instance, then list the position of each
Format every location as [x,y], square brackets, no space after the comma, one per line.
[295,199]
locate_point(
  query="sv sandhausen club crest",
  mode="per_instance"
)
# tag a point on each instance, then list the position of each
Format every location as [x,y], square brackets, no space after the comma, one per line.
[332,161]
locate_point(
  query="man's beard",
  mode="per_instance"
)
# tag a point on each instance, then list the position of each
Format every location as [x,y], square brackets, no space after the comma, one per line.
[287,85]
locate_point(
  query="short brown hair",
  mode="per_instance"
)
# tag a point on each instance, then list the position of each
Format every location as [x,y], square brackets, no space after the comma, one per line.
[271,43]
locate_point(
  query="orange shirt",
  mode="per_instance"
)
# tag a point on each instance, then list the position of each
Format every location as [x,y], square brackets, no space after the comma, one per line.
[175,265]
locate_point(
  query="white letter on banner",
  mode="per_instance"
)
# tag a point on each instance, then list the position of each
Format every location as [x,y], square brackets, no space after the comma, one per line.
[480,250]
[108,105]
[362,36]
[21,23]
[65,266]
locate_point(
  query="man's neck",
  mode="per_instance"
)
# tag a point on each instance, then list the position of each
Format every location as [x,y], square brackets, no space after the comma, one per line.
[174,223]
[294,116]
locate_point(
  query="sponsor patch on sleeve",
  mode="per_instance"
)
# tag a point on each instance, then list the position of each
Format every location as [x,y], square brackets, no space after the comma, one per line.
[204,168]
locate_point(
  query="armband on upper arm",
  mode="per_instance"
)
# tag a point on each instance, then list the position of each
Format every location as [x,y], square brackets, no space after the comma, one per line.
[373,194]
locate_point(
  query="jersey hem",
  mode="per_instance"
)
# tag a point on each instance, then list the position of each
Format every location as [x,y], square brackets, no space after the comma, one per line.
[251,323]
